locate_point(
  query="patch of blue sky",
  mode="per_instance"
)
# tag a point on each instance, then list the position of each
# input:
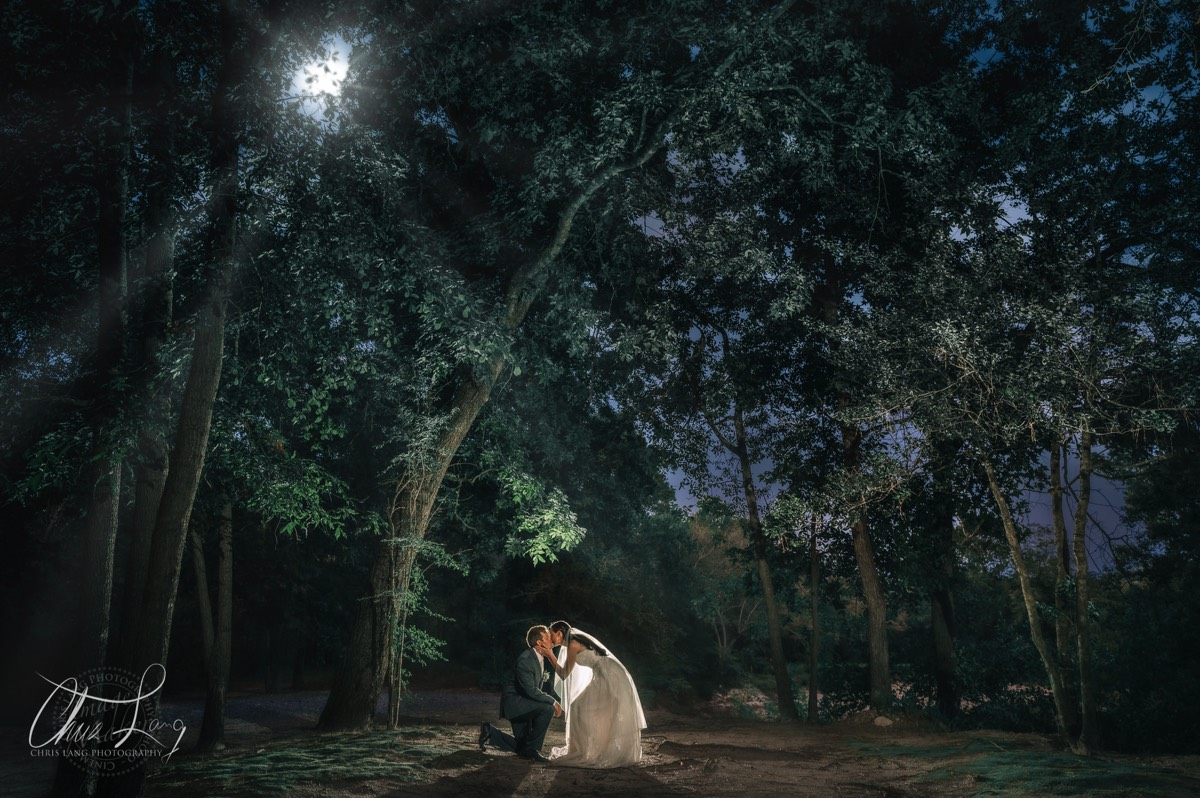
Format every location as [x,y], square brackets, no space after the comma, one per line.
[986,57]
[650,224]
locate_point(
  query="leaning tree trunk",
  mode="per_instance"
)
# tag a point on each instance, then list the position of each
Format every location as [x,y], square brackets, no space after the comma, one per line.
[402,594]
[148,642]
[367,662]
[155,305]
[1031,611]
[783,680]
[1063,627]
[1089,731]
[872,584]
[368,659]
[150,638]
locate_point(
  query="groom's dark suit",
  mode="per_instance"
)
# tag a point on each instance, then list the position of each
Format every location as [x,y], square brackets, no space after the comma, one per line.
[528,704]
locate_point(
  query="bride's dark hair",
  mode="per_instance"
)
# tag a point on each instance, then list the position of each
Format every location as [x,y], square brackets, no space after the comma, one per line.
[588,642]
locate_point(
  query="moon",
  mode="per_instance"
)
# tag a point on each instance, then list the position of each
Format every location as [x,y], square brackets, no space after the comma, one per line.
[324,76]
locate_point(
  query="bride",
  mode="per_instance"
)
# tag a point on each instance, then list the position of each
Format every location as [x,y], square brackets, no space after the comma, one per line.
[604,716]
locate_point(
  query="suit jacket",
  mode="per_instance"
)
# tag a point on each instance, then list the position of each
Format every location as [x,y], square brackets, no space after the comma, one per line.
[526,691]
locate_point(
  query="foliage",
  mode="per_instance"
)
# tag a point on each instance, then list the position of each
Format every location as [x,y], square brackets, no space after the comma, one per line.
[545,523]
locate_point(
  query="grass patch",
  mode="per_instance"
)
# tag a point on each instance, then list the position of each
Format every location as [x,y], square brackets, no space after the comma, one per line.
[1032,774]
[277,767]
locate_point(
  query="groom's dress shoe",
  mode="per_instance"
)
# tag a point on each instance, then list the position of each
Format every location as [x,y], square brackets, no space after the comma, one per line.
[537,757]
[484,734]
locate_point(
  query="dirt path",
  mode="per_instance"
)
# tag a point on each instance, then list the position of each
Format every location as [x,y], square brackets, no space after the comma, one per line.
[273,750]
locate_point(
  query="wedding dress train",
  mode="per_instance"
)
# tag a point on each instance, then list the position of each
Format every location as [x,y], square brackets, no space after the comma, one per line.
[605,721]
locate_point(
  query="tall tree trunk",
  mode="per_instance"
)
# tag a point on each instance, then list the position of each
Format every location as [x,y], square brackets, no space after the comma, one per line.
[368,659]
[872,584]
[96,587]
[783,680]
[814,645]
[360,679]
[149,641]
[216,628]
[1030,600]
[150,638]
[1089,730]
[880,676]
[739,447]
[406,601]
[941,602]
[1063,627]
[155,293]
[95,595]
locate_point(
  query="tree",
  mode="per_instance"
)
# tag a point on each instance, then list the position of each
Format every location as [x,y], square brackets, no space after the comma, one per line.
[1083,295]
[509,147]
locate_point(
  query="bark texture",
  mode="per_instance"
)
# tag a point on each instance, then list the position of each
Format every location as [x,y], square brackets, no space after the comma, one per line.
[1049,662]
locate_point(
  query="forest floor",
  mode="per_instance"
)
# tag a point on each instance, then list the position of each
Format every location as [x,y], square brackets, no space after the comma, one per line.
[273,749]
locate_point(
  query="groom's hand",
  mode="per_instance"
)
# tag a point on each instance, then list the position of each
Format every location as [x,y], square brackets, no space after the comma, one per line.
[557,710]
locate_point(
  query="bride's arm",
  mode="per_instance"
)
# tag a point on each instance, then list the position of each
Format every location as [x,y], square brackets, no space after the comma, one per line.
[565,670]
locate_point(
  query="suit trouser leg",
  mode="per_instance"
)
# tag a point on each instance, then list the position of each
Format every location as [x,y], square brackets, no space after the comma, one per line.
[505,741]
[529,732]
[539,723]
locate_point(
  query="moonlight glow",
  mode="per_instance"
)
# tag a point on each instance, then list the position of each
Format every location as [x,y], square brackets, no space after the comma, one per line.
[323,77]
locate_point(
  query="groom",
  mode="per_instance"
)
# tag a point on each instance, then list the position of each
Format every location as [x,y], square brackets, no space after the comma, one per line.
[525,702]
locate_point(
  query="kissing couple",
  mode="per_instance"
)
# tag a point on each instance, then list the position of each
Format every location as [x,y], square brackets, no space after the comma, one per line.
[568,671]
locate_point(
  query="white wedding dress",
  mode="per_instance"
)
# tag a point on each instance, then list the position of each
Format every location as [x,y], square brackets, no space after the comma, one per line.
[605,719]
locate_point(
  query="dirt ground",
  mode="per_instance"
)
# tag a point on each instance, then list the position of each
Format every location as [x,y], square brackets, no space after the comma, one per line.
[273,750]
